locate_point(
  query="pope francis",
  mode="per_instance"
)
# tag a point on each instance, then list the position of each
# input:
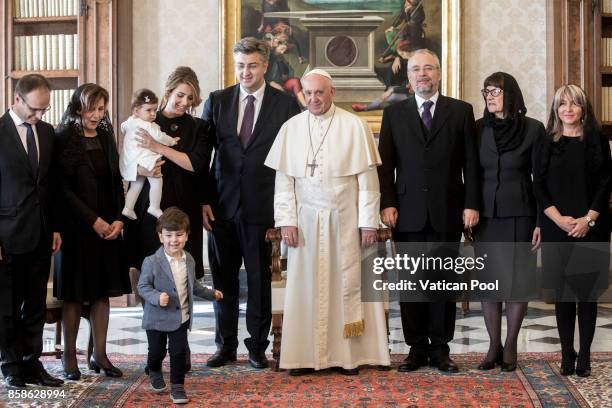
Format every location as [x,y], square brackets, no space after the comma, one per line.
[326,202]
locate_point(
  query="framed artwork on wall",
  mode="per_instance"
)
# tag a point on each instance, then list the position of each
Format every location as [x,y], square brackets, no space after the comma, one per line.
[363,44]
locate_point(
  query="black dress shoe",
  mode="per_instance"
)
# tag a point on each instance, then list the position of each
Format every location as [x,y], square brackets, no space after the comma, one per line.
[348,371]
[490,364]
[41,377]
[221,358]
[15,381]
[412,362]
[258,359]
[296,372]
[445,364]
[508,367]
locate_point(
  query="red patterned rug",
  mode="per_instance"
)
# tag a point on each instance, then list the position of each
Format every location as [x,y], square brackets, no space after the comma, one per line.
[537,383]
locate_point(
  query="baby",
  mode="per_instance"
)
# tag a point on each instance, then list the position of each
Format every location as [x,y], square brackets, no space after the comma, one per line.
[144,109]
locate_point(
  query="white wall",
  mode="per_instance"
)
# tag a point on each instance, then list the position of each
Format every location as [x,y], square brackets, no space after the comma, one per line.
[499,35]
[167,34]
[509,36]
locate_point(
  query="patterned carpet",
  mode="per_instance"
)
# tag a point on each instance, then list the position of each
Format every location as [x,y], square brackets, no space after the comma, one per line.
[536,384]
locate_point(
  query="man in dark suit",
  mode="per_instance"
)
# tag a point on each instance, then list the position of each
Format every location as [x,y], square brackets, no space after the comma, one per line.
[27,225]
[245,119]
[429,193]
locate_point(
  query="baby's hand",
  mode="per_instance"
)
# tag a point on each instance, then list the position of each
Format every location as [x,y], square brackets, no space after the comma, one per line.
[176,140]
[218,295]
[163,299]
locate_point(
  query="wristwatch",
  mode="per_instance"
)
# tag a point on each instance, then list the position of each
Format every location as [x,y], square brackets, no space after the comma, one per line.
[590,222]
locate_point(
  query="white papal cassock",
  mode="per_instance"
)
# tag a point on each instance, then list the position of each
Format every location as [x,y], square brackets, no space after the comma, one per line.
[325,323]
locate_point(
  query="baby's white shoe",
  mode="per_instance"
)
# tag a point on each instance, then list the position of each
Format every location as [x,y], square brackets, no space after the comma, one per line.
[129,213]
[156,212]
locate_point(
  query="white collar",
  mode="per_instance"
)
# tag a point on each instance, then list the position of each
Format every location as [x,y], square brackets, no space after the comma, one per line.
[420,100]
[171,258]
[18,121]
[258,94]
[324,116]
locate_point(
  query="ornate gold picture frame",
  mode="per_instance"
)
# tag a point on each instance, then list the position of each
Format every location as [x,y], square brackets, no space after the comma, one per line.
[446,22]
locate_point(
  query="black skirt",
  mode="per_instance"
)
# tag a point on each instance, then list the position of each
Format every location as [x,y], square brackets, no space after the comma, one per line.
[506,241]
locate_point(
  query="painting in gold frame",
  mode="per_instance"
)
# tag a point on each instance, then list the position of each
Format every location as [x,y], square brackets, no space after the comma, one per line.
[443,20]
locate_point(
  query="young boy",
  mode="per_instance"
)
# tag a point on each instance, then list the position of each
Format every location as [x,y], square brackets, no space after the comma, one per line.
[167,285]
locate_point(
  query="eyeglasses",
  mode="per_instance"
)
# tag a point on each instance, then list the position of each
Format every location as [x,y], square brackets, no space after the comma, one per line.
[34,110]
[494,92]
[426,68]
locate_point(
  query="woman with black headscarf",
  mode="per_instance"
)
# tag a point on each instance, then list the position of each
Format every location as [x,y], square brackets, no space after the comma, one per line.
[92,267]
[507,231]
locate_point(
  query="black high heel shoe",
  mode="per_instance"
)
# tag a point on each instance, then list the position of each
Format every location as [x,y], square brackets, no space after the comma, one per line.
[73,375]
[583,367]
[508,367]
[568,361]
[511,366]
[488,364]
[111,371]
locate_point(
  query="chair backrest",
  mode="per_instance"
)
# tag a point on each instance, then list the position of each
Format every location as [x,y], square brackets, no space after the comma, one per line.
[134,277]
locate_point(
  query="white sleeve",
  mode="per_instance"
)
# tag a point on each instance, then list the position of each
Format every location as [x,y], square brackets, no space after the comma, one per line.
[285,208]
[369,199]
[157,134]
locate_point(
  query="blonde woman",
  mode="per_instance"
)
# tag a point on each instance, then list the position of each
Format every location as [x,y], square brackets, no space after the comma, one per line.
[572,186]
[184,168]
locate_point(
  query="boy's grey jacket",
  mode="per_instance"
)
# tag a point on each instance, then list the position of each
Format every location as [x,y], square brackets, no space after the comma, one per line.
[155,278]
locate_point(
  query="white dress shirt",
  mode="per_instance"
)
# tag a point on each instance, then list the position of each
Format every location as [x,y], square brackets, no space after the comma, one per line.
[258,94]
[420,102]
[179,273]
[23,132]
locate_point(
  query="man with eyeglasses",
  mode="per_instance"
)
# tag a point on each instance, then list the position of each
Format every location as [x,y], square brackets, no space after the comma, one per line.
[28,234]
[429,193]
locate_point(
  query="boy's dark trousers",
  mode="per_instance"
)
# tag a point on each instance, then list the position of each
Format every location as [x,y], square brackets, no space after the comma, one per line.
[177,347]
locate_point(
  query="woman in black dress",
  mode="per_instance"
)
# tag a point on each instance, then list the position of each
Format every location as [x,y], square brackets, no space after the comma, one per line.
[506,142]
[184,166]
[92,269]
[572,185]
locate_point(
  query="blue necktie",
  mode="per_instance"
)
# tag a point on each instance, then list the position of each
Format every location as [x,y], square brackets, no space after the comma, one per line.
[32,150]
[426,116]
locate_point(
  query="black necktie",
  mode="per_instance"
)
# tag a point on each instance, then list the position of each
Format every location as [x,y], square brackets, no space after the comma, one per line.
[32,150]
[426,115]
[247,121]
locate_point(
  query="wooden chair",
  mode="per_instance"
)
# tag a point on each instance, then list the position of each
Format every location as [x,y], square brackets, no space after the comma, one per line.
[279,281]
[54,315]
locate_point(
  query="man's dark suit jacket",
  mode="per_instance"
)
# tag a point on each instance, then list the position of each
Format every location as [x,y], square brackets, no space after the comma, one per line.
[429,175]
[238,177]
[507,190]
[26,200]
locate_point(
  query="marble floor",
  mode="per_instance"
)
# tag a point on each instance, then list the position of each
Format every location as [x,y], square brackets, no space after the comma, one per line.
[539,332]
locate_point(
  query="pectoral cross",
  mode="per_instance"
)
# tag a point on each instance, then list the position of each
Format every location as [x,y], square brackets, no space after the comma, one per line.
[313,167]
